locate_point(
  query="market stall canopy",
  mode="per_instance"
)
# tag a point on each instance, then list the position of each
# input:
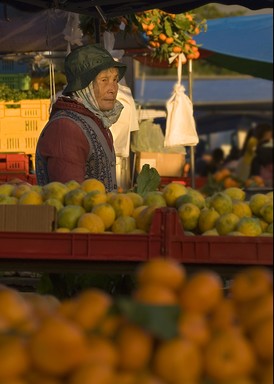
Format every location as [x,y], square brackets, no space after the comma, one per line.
[243,44]
[113,8]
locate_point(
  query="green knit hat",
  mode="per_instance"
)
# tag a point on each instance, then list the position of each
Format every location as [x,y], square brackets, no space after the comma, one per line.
[84,63]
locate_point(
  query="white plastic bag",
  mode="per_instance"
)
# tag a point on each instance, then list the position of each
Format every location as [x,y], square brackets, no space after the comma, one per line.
[180,125]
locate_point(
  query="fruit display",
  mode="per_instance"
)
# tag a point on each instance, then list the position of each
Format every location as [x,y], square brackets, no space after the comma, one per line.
[174,327]
[87,207]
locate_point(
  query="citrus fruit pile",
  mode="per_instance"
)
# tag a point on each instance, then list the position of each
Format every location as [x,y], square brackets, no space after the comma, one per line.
[88,208]
[174,328]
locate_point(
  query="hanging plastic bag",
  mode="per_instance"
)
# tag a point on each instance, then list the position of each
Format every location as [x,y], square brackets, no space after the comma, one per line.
[180,124]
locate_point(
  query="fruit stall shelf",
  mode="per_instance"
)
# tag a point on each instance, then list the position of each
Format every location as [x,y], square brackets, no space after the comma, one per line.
[81,252]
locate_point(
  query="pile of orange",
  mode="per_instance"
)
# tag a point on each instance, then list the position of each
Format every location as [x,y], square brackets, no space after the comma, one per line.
[222,336]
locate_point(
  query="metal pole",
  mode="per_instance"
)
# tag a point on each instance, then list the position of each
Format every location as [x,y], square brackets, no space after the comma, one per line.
[192,157]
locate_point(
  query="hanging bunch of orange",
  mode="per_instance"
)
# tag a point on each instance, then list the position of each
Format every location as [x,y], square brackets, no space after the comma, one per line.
[169,34]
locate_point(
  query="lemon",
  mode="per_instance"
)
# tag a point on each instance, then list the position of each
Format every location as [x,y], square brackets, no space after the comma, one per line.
[80,230]
[55,190]
[74,197]
[221,202]
[211,232]
[123,224]
[145,217]
[226,223]
[136,198]
[241,208]
[207,219]
[91,222]
[189,216]
[122,204]
[235,193]
[172,191]
[137,210]
[267,212]
[192,196]
[93,198]
[249,226]
[31,198]
[155,198]
[106,212]
[54,203]
[68,216]
[92,184]
[256,202]
[72,184]
[6,189]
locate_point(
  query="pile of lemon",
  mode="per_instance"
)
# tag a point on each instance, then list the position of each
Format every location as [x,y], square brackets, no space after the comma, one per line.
[87,207]
[175,328]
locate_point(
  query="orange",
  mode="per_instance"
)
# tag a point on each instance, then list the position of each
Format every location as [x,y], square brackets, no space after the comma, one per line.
[177,49]
[101,350]
[255,311]
[90,308]
[227,356]
[14,310]
[250,283]
[169,40]
[156,294]
[262,339]
[202,292]
[225,316]
[194,327]
[134,346]
[42,305]
[178,360]
[14,358]
[166,272]
[162,37]
[92,374]
[58,346]
[38,377]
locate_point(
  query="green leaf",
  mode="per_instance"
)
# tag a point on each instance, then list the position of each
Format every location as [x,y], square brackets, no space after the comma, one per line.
[160,320]
[147,180]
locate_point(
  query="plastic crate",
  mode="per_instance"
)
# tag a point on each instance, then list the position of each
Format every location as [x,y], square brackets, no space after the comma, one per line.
[13,67]
[14,163]
[21,124]
[19,81]
[166,238]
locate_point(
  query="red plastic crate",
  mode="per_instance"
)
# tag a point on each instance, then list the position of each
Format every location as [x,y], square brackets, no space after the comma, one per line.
[10,162]
[166,239]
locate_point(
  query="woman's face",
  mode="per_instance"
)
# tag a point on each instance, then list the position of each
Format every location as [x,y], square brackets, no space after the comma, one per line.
[105,88]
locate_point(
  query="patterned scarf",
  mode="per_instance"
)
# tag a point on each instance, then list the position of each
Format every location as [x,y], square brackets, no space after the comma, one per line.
[86,96]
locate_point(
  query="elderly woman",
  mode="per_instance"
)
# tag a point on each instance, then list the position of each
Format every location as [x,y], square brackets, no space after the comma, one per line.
[76,143]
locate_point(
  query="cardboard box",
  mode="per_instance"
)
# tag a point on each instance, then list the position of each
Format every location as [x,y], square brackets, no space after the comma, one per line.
[27,218]
[167,164]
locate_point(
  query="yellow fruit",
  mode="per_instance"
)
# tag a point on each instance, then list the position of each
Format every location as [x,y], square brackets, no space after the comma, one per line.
[123,224]
[93,198]
[31,198]
[80,230]
[145,217]
[74,197]
[267,212]
[221,202]
[172,191]
[55,190]
[256,202]
[89,185]
[106,212]
[194,327]
[192,196]
[62,230]
[72,184]
[101,350]
[241,208]
[211,232]
[154,198]
[122,204]
[155,294]
[69,215]
[54,203]
[136,198]
[226,223]
[207,219]
[137,210]
[189,216]
[235,193]
[269,229]
[166,272]
[94,373]
[249,226]
[6,189]
[92,222]
[20,189]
